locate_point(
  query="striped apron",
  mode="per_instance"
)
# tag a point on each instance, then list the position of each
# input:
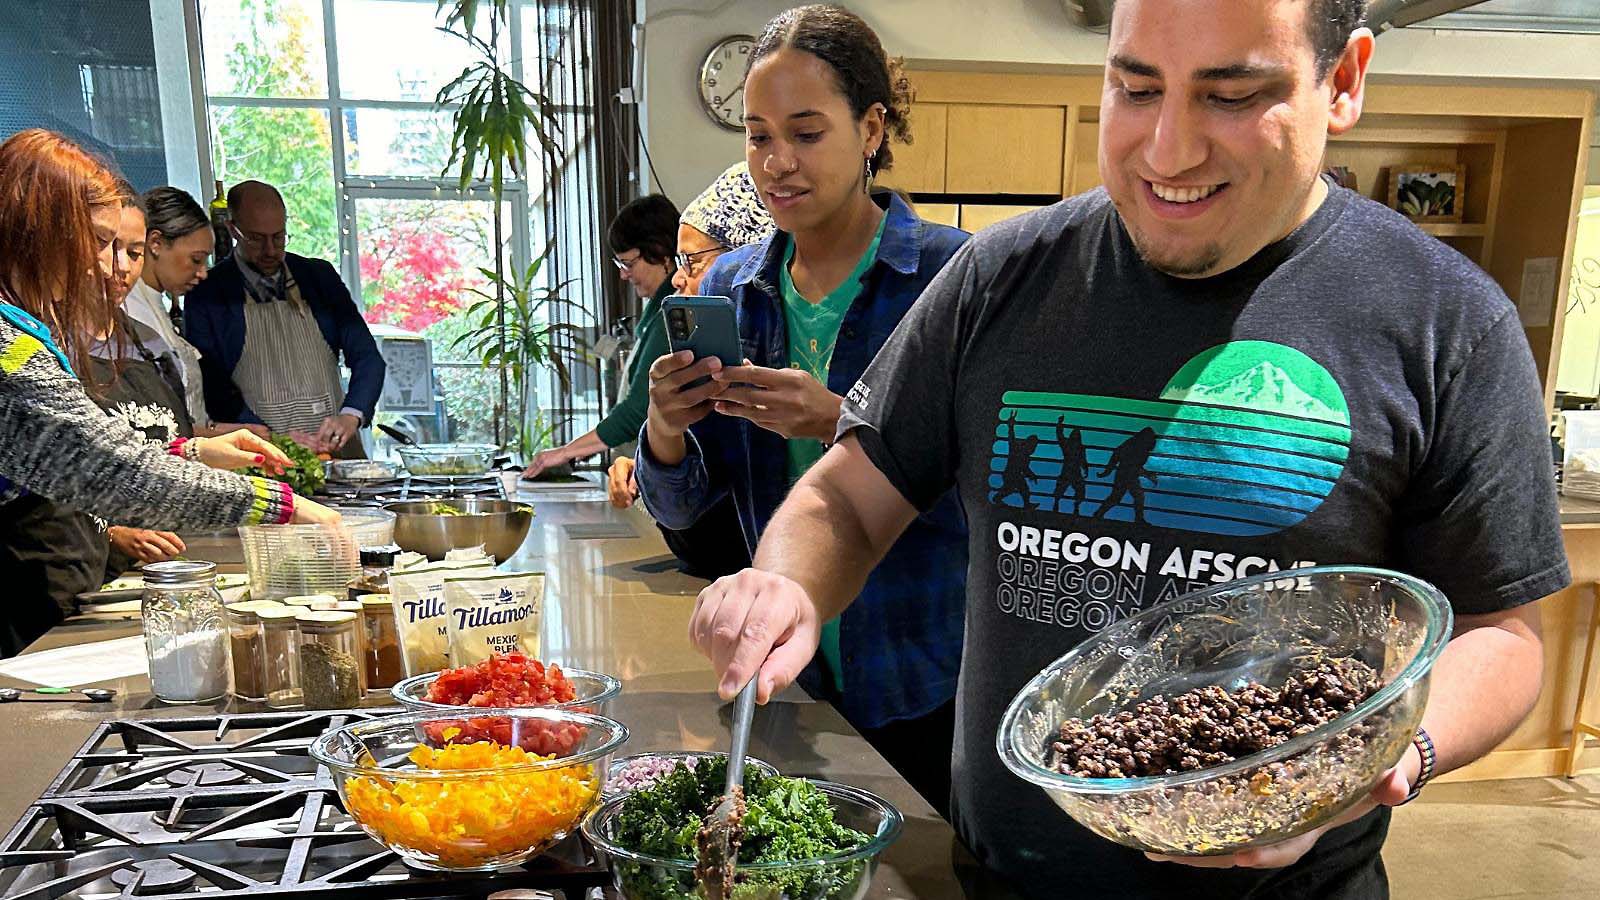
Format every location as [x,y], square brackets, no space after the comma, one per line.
[287,373]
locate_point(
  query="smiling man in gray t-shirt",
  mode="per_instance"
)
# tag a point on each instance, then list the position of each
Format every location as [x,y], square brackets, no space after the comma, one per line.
[1219,365]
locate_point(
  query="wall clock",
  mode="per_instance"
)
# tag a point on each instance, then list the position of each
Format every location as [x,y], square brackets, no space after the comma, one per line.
[722,80]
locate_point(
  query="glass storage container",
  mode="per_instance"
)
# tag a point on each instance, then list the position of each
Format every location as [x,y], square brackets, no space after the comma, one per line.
[375,565]
[247,643]
[280,634]
[331,670]
[185,632]
[384,666]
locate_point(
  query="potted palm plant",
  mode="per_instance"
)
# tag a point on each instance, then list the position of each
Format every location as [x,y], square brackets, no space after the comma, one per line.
[512,329]
[494,117]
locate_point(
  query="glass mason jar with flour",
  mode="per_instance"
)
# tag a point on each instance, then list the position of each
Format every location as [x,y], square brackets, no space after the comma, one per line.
[185,632]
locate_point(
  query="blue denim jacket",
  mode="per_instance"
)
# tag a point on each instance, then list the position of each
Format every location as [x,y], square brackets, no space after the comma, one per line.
[900,641]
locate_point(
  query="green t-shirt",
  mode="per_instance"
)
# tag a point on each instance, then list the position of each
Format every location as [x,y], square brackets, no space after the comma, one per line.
[813,330]
[622,424]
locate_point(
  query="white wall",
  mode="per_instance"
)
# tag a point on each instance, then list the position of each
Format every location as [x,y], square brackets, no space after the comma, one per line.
[689,150]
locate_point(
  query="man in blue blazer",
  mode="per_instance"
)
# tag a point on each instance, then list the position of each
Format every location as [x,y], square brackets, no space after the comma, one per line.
[271,328]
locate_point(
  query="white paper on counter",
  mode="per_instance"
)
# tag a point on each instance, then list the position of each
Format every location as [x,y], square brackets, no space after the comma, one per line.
[80,665]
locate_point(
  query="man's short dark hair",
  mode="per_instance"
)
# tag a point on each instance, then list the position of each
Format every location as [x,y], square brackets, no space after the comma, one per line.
[649,225]
[1331,23]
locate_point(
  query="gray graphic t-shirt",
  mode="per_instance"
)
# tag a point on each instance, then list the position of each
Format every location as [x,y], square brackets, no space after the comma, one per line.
[1356,393]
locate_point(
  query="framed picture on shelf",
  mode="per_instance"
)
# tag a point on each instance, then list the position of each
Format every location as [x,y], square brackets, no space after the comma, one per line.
[1429,193]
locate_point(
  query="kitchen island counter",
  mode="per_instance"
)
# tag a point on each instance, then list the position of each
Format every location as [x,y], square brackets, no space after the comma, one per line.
[615,603]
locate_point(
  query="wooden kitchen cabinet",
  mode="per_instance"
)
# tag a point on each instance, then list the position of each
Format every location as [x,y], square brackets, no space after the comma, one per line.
[1004,149]
[978,216]
[919,166]
[942,213]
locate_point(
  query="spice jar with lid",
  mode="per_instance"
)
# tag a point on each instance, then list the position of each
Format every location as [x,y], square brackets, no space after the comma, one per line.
[280,642]
[185,631]
[375,565]
[247,642]
[305,601]
[331,673]
[384,666]
[354,607]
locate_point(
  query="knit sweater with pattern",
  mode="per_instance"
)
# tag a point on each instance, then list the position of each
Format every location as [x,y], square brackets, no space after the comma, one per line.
[56,443]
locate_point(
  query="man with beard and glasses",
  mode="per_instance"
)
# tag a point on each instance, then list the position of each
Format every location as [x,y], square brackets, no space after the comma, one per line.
[1255,385]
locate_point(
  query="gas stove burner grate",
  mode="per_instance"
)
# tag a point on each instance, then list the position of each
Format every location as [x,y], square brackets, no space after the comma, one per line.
[153,878]
[230,807]
[205,775]
[415,487]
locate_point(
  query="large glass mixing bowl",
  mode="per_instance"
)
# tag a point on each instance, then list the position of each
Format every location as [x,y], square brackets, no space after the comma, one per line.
[1261,629]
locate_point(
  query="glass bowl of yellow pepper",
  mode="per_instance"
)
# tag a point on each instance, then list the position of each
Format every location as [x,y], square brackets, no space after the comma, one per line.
[447,797]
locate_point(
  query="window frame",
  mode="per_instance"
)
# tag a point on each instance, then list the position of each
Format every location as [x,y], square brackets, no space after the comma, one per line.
[349,188]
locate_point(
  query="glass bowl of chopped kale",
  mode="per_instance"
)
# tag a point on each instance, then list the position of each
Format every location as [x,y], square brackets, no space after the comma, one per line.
[802,839]
[1237,716]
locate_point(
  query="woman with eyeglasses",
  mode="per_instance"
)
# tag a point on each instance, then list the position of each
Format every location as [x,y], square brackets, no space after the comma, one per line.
[641,238]
[726,216]
[60,214]
[815,301]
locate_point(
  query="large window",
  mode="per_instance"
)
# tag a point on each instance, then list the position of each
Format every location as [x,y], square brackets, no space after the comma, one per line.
[332,102]
[63,69]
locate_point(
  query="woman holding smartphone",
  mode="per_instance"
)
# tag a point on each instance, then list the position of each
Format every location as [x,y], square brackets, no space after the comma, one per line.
[815,302]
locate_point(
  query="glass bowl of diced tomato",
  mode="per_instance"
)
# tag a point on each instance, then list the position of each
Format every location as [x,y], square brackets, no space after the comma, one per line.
[511,680]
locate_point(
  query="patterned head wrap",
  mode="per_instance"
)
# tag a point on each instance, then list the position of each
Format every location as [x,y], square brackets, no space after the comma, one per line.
[730,210]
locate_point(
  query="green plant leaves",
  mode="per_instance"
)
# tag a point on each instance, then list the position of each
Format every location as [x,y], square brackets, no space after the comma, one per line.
[495,112]
[528,338]
[464,13]
[494,116]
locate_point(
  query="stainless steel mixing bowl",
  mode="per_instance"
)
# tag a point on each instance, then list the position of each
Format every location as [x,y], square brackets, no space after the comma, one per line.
[499,525]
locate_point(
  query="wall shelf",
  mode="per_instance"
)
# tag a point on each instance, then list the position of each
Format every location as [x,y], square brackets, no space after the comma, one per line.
[1454,229]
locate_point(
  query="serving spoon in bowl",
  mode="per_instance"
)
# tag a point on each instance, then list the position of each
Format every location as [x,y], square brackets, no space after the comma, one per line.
[717,842]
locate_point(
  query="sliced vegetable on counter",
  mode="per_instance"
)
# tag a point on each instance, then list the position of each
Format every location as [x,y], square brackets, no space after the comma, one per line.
[512,679]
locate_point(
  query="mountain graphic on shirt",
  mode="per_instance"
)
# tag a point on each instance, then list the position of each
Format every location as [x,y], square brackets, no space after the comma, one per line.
[1264,387]
[1247,438]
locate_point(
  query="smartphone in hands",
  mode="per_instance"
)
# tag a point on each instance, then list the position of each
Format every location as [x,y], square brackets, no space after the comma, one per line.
[707,326]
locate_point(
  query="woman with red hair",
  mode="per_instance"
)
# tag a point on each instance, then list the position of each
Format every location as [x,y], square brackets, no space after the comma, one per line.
[59,213]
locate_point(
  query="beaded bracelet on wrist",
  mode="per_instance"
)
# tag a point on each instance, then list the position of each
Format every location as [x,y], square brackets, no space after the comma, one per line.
[1430,759]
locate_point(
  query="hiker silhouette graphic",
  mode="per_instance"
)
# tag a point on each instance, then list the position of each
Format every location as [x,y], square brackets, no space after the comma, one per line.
[1074,467]
[1128,461]
[1017,478]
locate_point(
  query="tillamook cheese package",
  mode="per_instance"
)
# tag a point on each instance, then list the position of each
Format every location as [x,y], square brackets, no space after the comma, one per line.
[493,612]
[419,612]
